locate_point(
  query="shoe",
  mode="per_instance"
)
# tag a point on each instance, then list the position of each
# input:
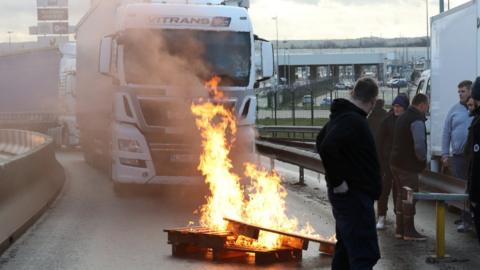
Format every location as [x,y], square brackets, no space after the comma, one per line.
[399,226]
[463,228]
[409,231]
[381,223]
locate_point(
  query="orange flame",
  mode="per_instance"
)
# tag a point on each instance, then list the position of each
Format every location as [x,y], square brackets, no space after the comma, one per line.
[265,203]
[212,85]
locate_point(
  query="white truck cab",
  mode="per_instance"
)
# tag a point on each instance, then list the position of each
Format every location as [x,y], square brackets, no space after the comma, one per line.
[148,53]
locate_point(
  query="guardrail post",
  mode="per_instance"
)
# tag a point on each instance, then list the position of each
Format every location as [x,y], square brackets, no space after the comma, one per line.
[272,164]
[301,176]
[440,230]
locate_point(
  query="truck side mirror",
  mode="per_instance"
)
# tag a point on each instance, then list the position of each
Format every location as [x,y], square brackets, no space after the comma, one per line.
[264,59]
[105,56]
[267,59]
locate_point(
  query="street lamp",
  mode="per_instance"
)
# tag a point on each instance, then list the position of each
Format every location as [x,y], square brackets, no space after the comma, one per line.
[10,39]
[277,66]
[277,78]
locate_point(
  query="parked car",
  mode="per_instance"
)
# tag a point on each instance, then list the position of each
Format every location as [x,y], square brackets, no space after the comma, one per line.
[399,83]
[326,101]
[307,100]
[340,86]
[349,85]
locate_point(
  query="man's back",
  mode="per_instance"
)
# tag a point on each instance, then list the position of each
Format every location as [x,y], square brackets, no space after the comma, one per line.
[348,151]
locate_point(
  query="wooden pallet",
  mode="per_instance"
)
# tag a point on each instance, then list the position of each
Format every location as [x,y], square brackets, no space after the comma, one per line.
[293,240]
[209,244]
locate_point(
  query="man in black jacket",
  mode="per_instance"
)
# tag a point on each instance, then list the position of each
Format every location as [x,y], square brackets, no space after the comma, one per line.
[384,140]
[472,152]
[408,159]
[347,149]
[376,116]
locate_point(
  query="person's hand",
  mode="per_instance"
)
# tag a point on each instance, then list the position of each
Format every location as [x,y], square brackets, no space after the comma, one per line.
[445,161]
[341,189]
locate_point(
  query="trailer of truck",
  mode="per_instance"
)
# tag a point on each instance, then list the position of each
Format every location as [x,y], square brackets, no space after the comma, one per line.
[454,58]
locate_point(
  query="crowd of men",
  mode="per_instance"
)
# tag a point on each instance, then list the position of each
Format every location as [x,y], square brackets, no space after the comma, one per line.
[369,153]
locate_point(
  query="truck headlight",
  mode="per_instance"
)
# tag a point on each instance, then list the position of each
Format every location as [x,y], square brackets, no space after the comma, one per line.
[129,146]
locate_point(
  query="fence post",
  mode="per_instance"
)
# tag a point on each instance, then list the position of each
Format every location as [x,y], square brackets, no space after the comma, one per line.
[293,106]
[312,103]
[275,105]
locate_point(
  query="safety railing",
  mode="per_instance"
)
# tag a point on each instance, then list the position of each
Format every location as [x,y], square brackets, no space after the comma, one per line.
[305,133]
[307,158]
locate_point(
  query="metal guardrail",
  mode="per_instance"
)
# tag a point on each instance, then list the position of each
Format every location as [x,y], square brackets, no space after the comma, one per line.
[27,117]
[30,179]
[308,159]
[289,132]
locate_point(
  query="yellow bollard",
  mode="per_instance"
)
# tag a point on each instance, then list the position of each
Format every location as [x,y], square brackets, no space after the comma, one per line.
[440,229]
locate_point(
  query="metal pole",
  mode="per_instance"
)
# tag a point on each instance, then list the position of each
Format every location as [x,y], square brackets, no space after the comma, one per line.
[275,106]
[442,6]
[312,103]
[428,38]
[301,176]
[9,40]
[277,67]
[293,106]
[440,230]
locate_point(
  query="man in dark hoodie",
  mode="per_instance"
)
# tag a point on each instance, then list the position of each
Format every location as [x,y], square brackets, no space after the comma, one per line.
[347,148]
[472,153]
[384,140]
[407,160]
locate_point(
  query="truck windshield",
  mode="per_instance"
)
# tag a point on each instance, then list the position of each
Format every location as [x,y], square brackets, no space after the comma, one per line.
[151,54]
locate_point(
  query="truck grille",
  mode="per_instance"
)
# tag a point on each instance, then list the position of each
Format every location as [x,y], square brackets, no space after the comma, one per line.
[174,160]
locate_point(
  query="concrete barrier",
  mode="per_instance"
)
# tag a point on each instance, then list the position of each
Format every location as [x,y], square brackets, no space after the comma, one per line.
[30,179]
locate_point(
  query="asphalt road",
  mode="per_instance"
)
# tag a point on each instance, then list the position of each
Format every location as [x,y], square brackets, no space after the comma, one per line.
[89,227]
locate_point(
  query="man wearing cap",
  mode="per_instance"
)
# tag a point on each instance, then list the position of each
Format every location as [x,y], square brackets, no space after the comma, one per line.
[384,139]
[472,151]
[407,160]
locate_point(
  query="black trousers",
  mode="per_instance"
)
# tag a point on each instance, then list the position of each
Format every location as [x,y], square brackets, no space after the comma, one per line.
[476,218]
[357,241]
[387,186]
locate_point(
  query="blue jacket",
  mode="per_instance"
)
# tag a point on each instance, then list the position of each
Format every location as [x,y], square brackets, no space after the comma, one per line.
[455,130]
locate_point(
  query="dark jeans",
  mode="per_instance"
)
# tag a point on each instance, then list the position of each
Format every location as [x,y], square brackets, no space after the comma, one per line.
[476,219]
[404,178]
[387,186]
[357,242]
[459,166]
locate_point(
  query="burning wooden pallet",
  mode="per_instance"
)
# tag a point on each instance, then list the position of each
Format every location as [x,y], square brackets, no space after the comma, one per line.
[292,240]
[222,245]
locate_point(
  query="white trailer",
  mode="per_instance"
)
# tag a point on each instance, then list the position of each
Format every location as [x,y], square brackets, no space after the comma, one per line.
[454,58]
[134,121]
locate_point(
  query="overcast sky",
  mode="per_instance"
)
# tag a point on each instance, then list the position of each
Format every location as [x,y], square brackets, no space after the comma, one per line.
[298,19]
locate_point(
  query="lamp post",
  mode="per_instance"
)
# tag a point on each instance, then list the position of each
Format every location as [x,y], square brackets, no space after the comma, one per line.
[10,40]
[277,77]
[428,38]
